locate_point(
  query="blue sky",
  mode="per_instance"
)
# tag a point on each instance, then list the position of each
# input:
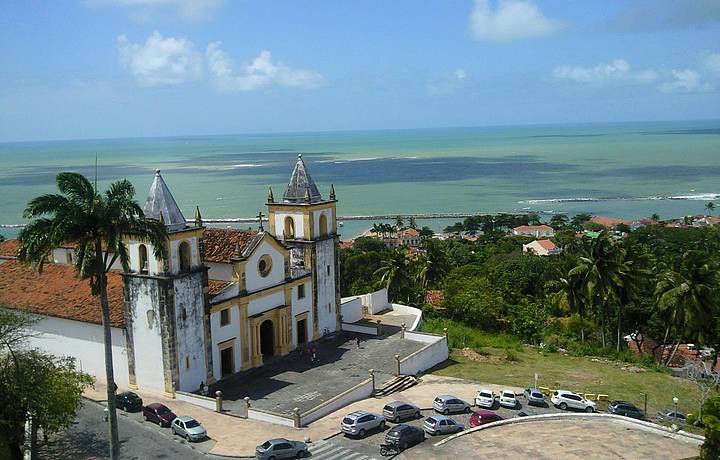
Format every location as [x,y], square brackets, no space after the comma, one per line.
[126,68]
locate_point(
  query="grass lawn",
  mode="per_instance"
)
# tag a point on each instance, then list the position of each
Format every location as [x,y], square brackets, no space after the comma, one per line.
[580,374]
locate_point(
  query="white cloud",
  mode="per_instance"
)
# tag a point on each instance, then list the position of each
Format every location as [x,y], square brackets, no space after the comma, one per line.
[712,63]
[144,9]
[511,20]
[618,71]
[161,61]
[260,73]
[684,81]
[460,73]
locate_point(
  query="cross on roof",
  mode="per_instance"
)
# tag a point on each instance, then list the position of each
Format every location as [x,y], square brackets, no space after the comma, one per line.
[260,217]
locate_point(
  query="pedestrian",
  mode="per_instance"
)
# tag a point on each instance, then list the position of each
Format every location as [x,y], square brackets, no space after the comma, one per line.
[357,342]
[45,433]
[314,355]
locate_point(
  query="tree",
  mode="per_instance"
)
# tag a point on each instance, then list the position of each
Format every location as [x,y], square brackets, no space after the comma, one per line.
[687,296]
[655,217]
[98,224]
[399,223]
[559,221]
[578,220]
[34,386]
[411,222]
[569,294]
[394,273]
[433,265]
[710,450]
[710,207]
[426,232]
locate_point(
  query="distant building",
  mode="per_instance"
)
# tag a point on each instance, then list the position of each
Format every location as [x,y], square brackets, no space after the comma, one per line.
[538,231]
[542,248]
[409,237]
[609,222]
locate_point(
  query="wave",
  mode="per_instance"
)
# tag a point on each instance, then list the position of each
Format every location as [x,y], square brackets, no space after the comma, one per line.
[694,197]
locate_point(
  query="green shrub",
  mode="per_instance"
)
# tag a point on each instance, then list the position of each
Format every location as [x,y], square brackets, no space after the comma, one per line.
[461,336]
[510,355]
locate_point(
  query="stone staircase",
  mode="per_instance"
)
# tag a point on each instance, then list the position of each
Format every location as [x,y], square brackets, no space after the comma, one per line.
[397,384]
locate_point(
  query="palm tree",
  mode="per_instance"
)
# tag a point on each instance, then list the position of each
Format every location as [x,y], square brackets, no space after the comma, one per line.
[433,265]
[709,207]
[411,222]
[97,223]
[632,273]
[570,295]
[399,223]
[687,296]
[655,217]
[393,272]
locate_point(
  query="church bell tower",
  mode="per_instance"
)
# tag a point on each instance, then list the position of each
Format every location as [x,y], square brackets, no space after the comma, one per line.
[307,223]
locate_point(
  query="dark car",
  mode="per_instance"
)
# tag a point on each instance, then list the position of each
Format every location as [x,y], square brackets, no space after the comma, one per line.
[128,401]
[483,417]
[626,409]
[158,413]
[404,436]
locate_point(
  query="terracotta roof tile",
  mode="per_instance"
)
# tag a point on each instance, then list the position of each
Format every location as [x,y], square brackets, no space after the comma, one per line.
[9,248]
[219,244]
[58,292]
[547,244]
[435,298]
[216,286]
[532,228]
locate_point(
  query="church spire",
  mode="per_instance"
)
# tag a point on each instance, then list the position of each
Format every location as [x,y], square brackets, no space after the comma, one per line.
[270,198]
[332,193]
[198,217]
[161,205]
[300,185]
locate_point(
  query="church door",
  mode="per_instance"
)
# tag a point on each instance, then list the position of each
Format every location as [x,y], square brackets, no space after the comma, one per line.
[226,361]
[302,331]
[267,339]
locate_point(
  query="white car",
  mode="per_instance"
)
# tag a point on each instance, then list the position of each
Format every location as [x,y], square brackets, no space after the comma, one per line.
[485,398]
[565,399]
[507,399]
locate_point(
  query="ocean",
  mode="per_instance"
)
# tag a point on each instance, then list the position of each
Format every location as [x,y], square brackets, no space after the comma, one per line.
[626,170]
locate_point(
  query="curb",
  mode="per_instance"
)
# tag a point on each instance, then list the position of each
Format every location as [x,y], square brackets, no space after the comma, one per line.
[645,426]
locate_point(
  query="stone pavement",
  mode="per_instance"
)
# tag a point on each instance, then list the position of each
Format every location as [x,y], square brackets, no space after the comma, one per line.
[553,439]
[292,381]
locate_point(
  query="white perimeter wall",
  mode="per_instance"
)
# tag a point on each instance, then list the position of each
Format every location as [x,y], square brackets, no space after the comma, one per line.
[432,354]
[351,310]
[358,392]
[84,342]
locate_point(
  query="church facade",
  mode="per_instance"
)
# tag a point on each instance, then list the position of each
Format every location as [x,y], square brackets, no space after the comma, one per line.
[224,300]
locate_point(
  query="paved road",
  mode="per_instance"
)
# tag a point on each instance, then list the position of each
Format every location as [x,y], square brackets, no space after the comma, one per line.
[87,439]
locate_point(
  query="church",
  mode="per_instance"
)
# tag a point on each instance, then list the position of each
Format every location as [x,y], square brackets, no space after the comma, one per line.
[223,301]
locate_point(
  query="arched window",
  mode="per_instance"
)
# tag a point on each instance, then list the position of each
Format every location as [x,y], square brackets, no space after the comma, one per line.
[323,225]
[289,228]
[143,258]
[185,257]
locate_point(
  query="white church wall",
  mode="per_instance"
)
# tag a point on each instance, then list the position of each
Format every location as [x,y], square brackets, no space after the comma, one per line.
[219,271]
[220,334]
[297,220]
[264,303]
[175,257]
[326,301]
[146,335]
[316,221]
[84,342]
[300,306]
[190,332]
[133,250]
[253,280]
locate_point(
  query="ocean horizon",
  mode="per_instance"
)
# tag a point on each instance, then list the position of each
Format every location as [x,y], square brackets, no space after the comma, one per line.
[627,170]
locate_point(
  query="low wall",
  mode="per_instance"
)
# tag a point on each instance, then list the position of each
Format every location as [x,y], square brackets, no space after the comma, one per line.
[407,310]
[356,393]
[202,401]
[641,424]
[432,354]
[425,337]
[360,329]
[264,416]
[351,310]
[378,301]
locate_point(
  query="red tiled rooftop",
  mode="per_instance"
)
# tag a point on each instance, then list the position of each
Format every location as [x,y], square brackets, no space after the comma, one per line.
[547,244]
[609,222]
[9,248]
[58,292]
[216,286]
[532,228]
[219,244]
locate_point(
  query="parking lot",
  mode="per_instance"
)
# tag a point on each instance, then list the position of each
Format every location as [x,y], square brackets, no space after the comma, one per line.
[369,446]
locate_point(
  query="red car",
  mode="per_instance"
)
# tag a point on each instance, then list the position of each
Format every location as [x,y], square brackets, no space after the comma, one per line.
[483,417]
[158,413]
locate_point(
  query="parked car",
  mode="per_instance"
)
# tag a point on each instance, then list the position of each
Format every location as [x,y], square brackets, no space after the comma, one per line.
[404,436]
[669,415]
[525,413]
[278,448]
[485,398]
[358,423]
[483,417]
[508,399]
[128,401]
[188,428]
[534,397]
[400,410]
[565,399]
[440,424]
[445,404]
[625,408]
[158,413]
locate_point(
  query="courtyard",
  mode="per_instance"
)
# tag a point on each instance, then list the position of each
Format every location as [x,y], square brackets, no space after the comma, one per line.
[284,383]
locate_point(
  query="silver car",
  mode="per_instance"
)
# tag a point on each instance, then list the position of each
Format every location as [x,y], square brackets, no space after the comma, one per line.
[400,410]
[446,404]
[188,428]
[281,448]
[534,397]
[439,424]
[358,423]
